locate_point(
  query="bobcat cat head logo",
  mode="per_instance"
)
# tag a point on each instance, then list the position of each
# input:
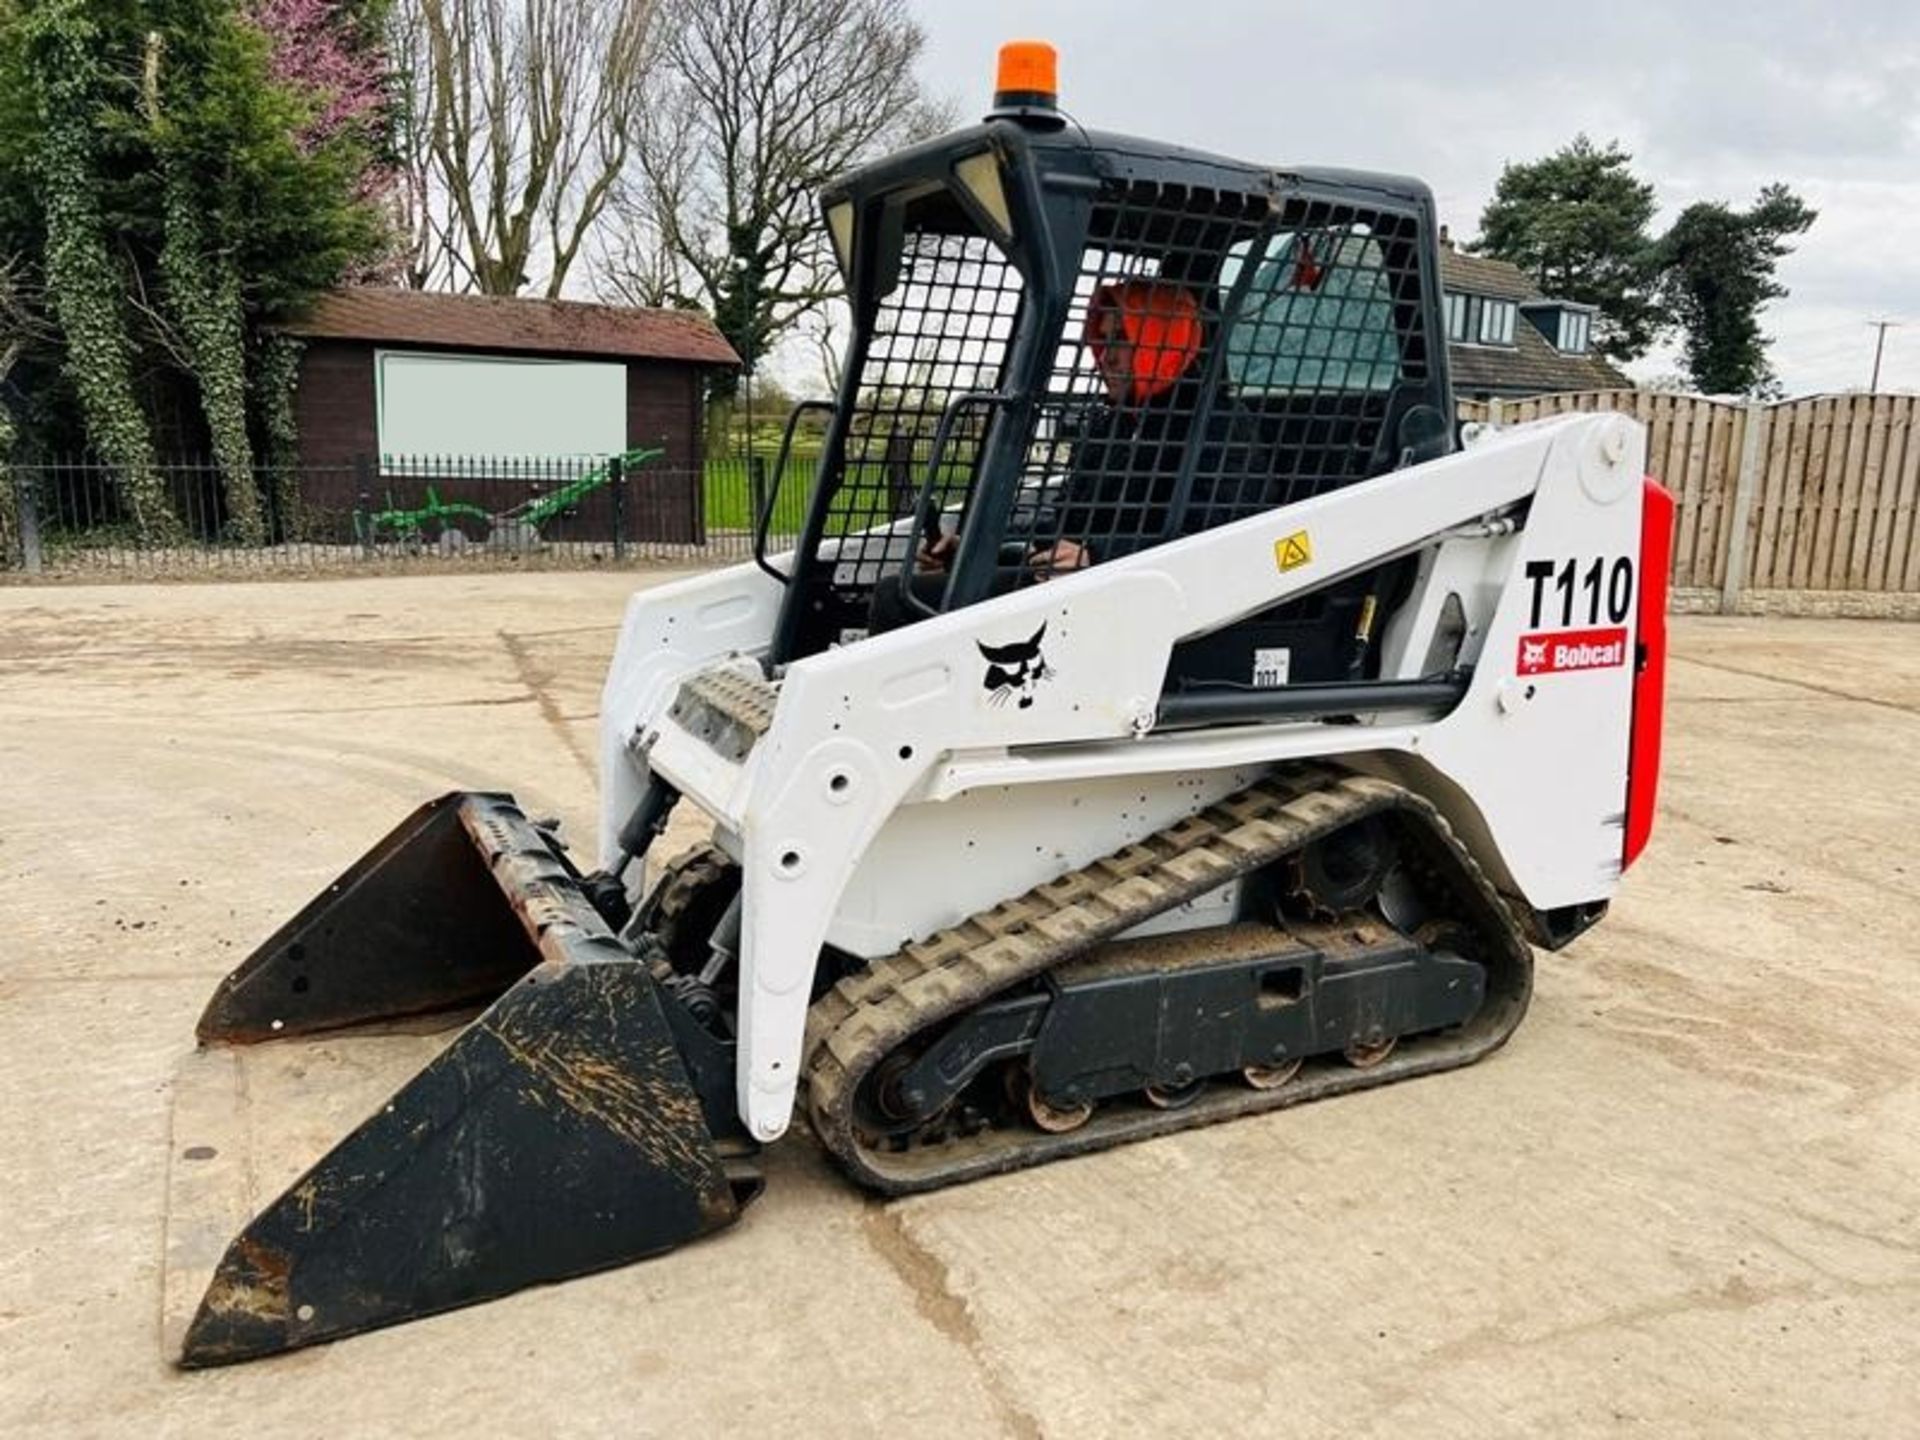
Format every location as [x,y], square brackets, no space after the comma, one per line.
[1533,653]
[1015,669]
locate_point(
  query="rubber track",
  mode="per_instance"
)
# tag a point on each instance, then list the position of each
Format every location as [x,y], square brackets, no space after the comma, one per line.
[854,1026]
[681,881]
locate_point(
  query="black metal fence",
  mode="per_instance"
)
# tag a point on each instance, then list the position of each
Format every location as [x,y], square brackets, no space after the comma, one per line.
[77,517]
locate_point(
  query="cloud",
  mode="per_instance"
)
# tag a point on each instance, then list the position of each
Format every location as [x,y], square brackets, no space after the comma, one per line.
[1713,104]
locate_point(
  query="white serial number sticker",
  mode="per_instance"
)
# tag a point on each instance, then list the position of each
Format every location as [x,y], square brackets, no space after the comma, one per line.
[1271,667]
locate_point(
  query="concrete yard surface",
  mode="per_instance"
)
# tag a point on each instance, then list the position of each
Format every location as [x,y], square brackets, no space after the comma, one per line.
[1684,1201]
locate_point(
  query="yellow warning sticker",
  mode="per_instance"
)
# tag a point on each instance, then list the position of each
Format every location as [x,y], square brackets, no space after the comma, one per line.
[1292,552]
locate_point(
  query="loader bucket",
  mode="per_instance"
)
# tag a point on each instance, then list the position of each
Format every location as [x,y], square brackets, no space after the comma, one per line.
[565,1129]
[418,925]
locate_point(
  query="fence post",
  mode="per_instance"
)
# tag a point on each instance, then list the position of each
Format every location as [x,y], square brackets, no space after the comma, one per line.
[363,504]
[616,476]
[757,489]
[1493,411]
[271,494]
[31,558]
[1739,544]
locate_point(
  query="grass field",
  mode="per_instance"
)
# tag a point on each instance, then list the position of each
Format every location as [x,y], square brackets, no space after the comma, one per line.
[730,498]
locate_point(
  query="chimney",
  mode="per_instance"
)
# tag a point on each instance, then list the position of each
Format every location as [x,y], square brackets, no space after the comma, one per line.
[1446,240]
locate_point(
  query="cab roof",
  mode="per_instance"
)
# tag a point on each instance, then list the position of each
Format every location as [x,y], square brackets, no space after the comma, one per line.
[1066,153]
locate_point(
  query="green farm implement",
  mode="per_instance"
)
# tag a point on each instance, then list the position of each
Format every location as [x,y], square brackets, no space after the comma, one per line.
[438,521]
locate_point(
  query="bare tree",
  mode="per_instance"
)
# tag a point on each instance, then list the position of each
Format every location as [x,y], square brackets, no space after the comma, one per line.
[20,320]
[752,105]
[823,329]
[520,121]
[23,323]
[422,215]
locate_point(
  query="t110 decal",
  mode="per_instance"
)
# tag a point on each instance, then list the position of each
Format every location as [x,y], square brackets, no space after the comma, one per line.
[1567,593]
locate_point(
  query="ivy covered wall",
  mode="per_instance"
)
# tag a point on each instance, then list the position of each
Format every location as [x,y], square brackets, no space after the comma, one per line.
[174,177]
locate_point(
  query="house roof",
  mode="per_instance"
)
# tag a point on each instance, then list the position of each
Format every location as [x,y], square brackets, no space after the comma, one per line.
[1530,366]
[1483,275]
[487,322]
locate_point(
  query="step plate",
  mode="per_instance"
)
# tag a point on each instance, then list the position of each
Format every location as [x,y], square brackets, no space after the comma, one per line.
[727,709]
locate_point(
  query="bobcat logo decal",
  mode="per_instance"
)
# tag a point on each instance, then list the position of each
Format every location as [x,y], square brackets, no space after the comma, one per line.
[1533,653]
[1015,669]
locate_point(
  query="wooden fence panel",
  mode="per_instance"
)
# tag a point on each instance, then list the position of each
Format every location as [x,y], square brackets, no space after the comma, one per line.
[1716,494]
[1786,470]
[1834,502]
[1882,563]
[1832,567]
[1673,470]
[1807,498]
[1826,463]
[1903,552]
[1740,535]
[1846,455]
[1693,483]
[1766,496]
[1659,432]
[1793,508]
[1815,514]
[1867,508]
[1690,467]
[1859,427]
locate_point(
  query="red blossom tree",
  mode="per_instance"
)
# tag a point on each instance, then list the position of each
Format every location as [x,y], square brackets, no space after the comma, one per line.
[329,51]
[320,47]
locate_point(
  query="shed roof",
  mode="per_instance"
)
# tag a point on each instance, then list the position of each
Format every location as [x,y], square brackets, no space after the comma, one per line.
[489,322]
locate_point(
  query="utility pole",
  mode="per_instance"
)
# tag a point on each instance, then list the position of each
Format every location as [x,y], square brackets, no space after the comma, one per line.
[1879,344]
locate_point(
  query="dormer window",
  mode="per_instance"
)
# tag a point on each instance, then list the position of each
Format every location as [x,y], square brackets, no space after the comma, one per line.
[1566,326]
[1506,335]
[1479,319]
[1496,322]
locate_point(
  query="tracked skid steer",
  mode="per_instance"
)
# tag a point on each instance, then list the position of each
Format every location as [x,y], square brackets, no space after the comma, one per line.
[1167,714]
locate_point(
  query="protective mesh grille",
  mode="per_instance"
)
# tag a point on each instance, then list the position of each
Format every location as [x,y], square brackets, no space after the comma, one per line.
[942,332]
[1219,360]
[1222,356]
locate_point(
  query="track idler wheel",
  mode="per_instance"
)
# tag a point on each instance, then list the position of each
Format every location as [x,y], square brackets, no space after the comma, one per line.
[886,1112]
[1054,1119]
[1174,1097]
[1271,1077]
[1366,1056]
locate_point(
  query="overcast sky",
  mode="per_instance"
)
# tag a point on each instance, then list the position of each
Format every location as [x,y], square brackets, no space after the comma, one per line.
[1713,102]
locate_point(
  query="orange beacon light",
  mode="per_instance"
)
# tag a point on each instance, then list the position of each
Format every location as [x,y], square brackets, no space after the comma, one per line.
[1027,77]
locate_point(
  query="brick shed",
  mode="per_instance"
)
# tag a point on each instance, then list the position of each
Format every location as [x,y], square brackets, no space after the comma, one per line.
[392,379]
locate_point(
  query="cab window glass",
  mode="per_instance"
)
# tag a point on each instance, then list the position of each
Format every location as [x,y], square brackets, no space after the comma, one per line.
[1317,314]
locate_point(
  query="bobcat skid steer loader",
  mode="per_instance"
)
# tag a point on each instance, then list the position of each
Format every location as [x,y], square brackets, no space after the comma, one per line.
[1166,715]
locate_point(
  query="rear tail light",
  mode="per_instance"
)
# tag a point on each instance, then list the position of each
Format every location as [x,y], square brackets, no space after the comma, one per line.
[1650,662]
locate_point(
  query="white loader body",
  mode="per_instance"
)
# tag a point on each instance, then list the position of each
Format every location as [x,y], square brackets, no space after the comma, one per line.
[904,780]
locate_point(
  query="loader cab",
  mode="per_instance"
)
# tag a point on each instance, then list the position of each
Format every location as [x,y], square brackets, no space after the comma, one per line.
[1062,336]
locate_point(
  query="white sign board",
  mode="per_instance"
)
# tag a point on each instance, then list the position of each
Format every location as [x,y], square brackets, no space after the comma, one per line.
[458,405]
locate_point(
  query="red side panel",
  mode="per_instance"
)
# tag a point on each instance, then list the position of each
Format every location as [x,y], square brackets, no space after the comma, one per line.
[1650,683]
